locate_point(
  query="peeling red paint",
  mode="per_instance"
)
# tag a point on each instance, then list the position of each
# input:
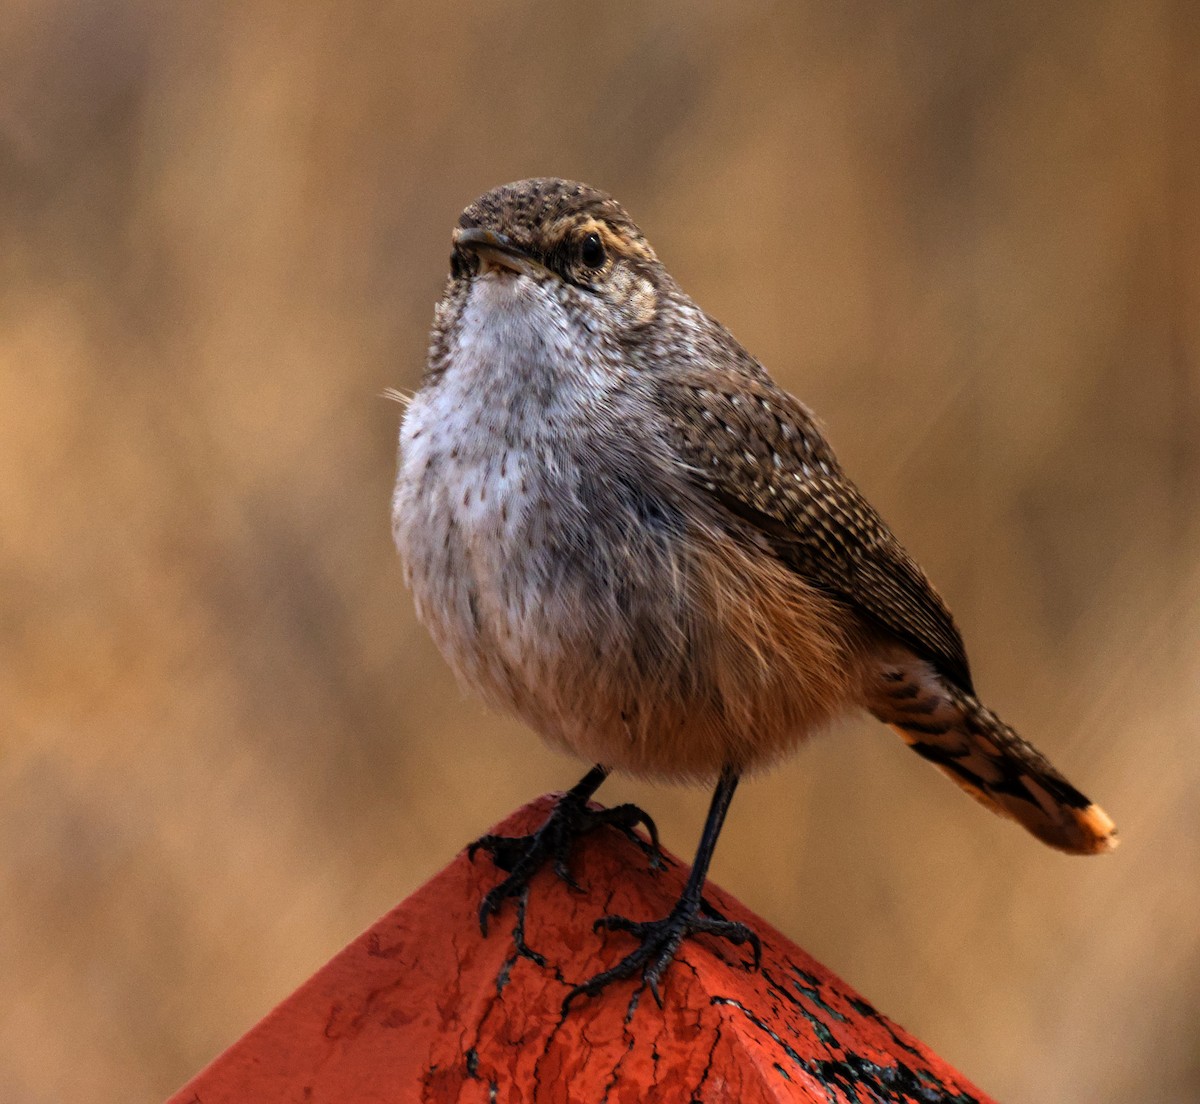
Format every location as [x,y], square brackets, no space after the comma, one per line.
[421,1007]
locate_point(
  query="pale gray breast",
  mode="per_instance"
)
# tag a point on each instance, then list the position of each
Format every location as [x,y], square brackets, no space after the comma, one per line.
[532,535]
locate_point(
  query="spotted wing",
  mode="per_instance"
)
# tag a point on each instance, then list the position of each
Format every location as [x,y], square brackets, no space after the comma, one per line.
[759,453]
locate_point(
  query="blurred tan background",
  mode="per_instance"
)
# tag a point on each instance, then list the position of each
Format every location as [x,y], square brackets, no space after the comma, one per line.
[968,235]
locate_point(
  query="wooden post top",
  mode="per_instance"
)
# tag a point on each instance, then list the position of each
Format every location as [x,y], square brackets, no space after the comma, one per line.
[421,1007]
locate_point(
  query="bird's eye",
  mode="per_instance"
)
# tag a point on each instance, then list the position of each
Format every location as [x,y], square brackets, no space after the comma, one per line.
[591,251]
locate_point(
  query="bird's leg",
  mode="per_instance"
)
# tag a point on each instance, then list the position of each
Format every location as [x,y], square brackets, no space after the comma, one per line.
[523,856]
[660,939]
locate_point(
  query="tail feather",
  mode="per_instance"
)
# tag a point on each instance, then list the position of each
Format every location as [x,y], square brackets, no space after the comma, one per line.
[970,744]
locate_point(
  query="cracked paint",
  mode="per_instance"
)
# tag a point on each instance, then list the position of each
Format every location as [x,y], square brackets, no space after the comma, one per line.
[423,1008]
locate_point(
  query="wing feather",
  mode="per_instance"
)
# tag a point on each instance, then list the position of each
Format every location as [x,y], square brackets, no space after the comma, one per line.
[760,454]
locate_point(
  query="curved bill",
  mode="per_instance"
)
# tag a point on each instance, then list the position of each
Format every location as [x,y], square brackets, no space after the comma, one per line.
[495,251]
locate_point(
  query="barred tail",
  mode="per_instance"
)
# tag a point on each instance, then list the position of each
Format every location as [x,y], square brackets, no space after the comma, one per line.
[971,745]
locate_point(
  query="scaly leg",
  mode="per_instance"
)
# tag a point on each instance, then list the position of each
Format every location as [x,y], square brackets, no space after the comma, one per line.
[523,856]
[660,939]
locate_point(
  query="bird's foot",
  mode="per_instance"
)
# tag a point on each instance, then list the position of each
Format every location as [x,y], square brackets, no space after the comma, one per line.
[659,941]
[523,856]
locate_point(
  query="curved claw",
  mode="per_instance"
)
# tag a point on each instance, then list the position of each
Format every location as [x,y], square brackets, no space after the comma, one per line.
[625,818]
[755,946]
[521,857]
[507,852]
[659,940]
[487,907]
[619,923]
[563,873]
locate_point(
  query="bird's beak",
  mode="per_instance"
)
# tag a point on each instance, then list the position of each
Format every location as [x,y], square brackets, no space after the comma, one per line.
[495,251]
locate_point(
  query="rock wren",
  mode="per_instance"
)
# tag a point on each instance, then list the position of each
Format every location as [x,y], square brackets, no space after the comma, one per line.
[617,526]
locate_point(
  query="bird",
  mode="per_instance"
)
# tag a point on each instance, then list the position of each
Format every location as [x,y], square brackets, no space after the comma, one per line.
[617,526]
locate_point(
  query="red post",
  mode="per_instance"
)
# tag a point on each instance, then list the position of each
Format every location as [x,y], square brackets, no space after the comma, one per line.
[421,1007]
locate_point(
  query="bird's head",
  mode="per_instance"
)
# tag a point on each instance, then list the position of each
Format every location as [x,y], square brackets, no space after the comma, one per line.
[577,241]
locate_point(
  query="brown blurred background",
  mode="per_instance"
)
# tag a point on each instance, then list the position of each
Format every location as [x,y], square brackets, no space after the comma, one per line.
[967,234]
